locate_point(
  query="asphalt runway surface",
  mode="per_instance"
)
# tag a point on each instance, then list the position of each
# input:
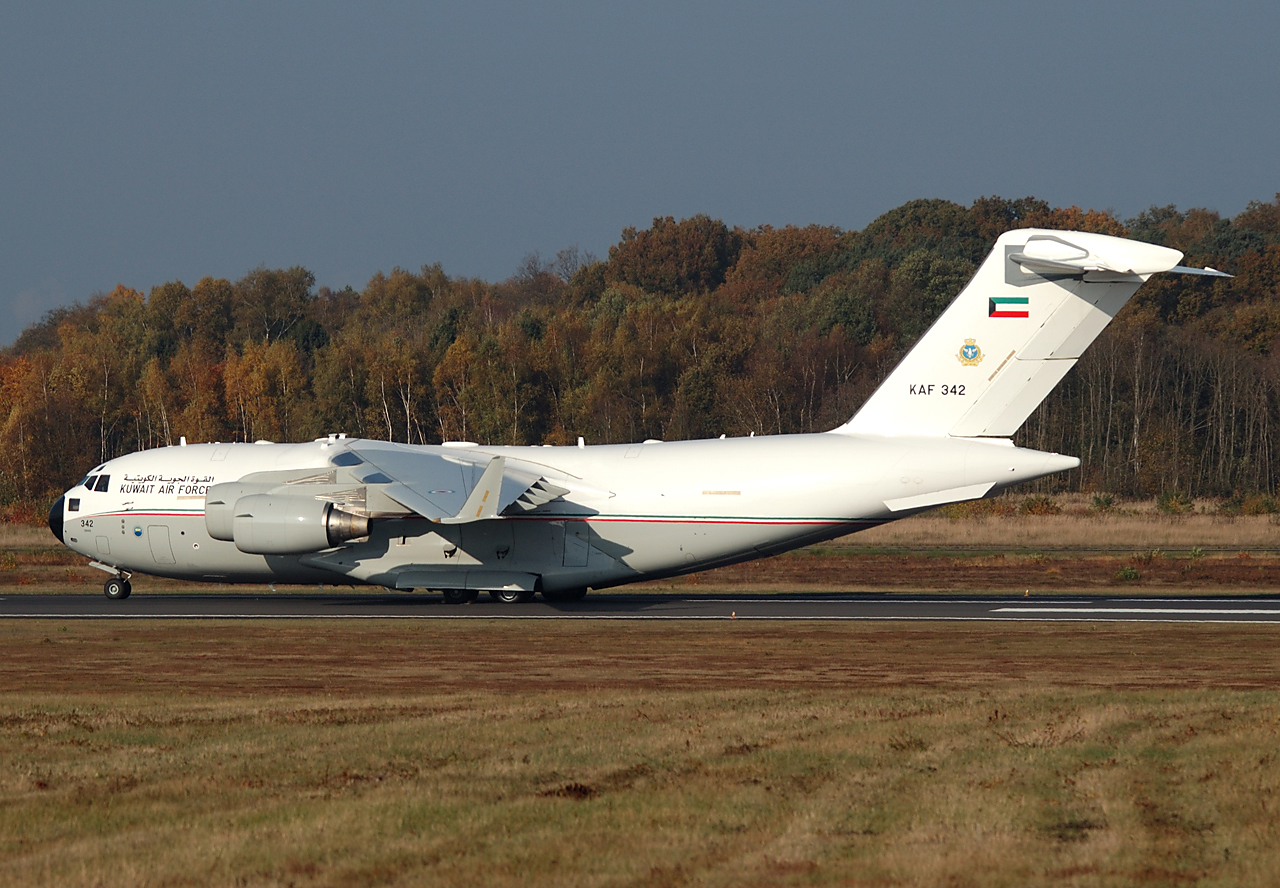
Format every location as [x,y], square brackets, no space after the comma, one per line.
[621,606]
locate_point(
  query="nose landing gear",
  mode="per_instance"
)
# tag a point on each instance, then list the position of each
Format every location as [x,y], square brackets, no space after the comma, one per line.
[117,588]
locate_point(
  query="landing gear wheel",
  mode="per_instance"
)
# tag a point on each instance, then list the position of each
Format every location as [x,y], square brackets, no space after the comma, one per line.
[459,596]
[511,596]
[117,588]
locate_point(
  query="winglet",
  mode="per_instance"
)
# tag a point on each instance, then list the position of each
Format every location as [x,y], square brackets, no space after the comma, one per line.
[483,501]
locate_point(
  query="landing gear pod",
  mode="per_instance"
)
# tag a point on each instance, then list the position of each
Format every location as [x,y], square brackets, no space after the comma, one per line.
[265,524]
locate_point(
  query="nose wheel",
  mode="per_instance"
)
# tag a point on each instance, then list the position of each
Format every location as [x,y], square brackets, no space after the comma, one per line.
[117,588]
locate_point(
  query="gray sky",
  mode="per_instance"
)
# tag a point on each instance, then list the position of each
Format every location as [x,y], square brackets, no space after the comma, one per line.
[141,143]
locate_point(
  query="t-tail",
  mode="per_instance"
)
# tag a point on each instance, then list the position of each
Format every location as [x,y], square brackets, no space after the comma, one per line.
[1011,335]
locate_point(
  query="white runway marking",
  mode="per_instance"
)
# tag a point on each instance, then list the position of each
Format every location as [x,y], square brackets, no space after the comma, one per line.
[1136,610]
[1066,609]
[1067,616]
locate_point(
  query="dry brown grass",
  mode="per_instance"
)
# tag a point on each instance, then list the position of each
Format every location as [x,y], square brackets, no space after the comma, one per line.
[1145,529]
[1135,572]
[25,536]
[725,754]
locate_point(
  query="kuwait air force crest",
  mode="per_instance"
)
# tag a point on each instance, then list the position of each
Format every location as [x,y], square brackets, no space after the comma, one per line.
[970,355]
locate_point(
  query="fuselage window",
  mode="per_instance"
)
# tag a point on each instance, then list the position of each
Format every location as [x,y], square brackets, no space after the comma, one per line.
[88,482]
[103,481]
[73,505]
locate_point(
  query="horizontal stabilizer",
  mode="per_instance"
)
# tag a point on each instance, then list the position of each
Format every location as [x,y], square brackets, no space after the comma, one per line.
[1210,272]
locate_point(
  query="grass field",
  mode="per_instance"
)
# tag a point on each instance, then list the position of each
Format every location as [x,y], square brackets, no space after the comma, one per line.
[731,753]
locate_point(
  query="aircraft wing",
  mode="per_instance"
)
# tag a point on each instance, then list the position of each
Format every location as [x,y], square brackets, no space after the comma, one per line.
[452,488]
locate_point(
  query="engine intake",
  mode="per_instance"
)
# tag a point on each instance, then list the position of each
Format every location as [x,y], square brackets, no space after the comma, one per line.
[271,524]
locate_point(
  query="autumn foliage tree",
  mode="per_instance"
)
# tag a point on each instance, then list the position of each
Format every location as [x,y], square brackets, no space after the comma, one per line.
[688,329]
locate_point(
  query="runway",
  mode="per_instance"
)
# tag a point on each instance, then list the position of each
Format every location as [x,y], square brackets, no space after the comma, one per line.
[620,606]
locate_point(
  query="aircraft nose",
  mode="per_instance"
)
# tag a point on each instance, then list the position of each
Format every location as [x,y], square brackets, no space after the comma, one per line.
[56,517]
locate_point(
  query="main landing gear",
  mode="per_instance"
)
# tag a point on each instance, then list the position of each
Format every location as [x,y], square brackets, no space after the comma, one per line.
[511,596]
[506,596]
[117,588]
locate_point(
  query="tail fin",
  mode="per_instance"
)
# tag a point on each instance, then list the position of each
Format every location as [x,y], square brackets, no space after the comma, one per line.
[1011,335]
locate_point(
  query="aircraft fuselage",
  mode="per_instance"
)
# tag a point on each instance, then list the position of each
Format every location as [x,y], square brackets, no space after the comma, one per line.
[557,520]
[633,511]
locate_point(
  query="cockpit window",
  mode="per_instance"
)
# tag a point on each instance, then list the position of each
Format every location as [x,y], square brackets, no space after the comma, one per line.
[103,481]
[88,482]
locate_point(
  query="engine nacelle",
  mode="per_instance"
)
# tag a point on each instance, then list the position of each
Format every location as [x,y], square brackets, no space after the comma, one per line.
[277,524]
[220,506]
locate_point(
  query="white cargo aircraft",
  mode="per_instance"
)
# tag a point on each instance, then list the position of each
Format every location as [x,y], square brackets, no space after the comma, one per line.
[516,521]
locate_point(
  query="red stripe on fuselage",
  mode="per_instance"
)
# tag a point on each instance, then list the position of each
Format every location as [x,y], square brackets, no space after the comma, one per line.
[708,521]
[147,514]
[657,519]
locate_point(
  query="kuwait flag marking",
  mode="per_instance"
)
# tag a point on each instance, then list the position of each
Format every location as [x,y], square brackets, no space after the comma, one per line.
[1008,307]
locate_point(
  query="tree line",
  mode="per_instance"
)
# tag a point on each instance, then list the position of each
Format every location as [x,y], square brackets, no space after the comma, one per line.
[687,329]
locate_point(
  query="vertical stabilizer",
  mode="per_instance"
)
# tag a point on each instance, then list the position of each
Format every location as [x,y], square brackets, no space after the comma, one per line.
[1002,345]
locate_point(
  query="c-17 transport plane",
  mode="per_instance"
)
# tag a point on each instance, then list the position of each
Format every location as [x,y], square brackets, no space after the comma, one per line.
[463,518]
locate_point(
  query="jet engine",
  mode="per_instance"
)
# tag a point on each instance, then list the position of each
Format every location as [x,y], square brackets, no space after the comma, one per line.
[220,506]
[279,524]
[267,524]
